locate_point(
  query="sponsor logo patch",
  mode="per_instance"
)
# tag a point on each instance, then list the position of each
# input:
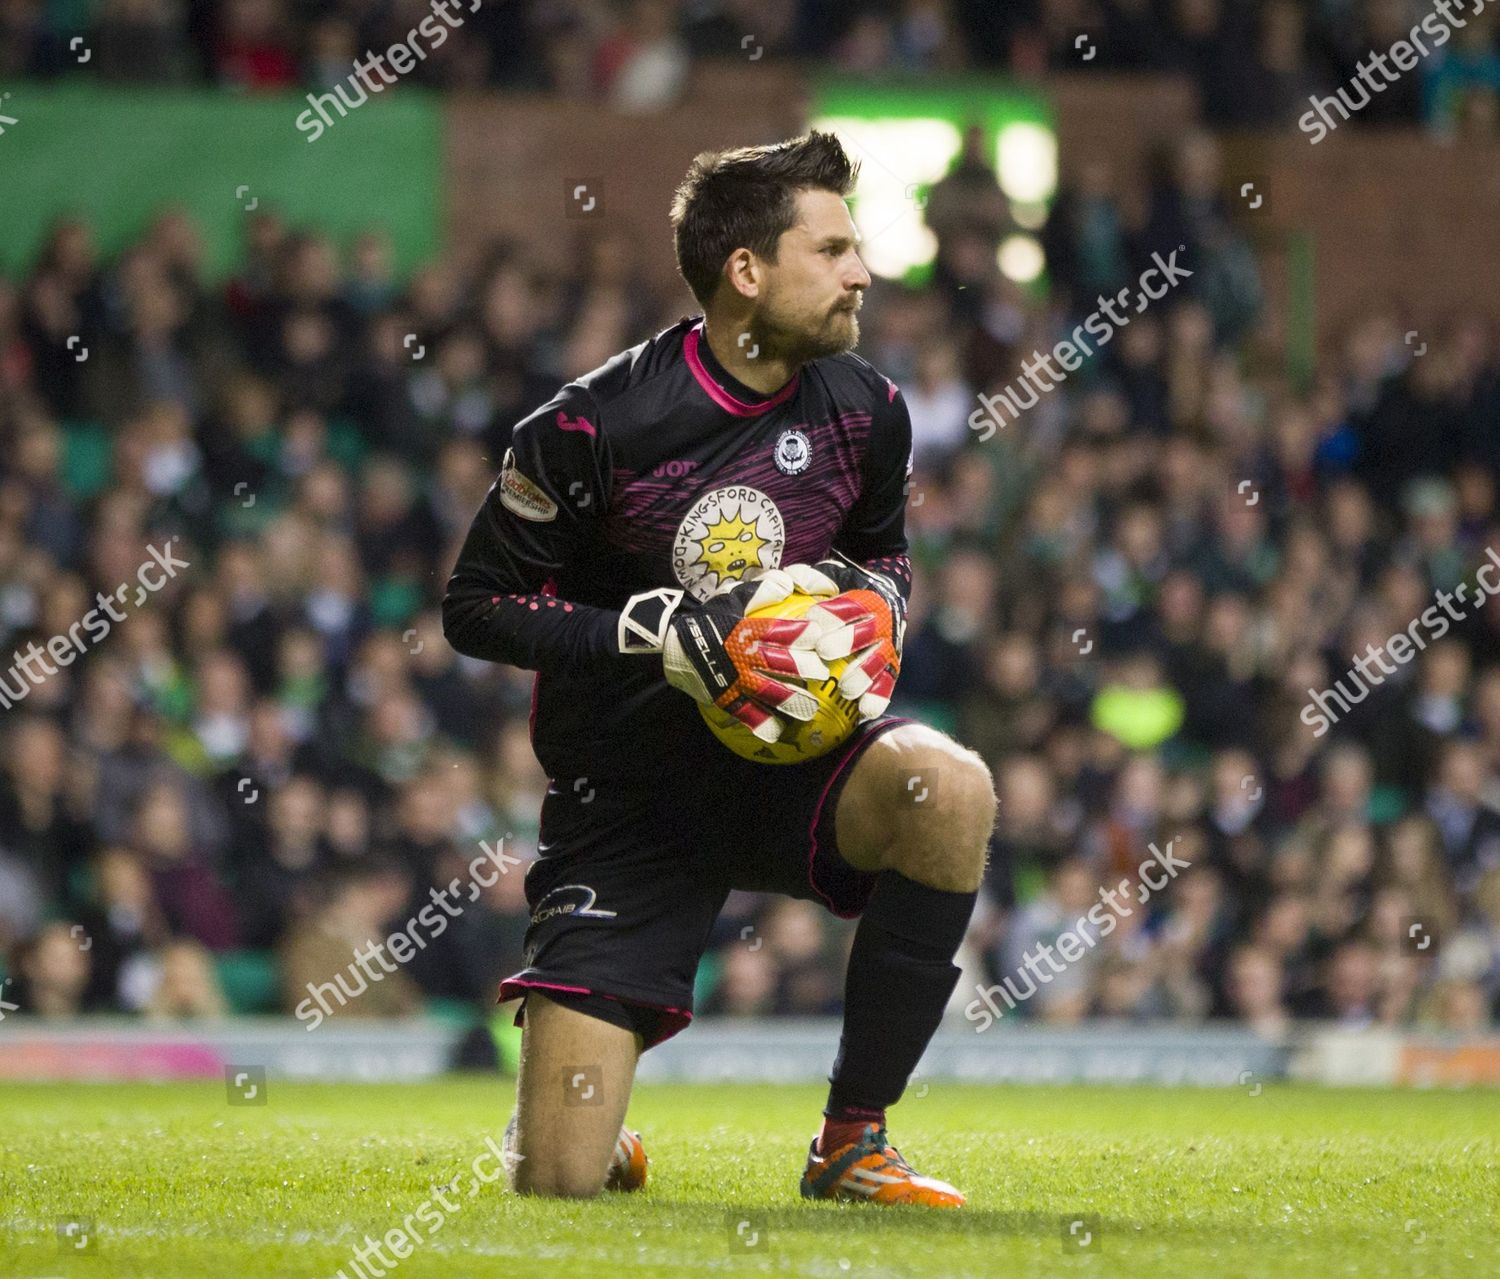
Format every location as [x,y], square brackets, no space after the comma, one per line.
[521,496]
[569,899]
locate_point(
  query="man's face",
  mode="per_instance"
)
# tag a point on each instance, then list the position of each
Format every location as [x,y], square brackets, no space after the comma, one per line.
[816,285]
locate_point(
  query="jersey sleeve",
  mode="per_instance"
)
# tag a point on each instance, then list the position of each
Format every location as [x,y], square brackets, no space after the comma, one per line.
[874,531]
[501,602]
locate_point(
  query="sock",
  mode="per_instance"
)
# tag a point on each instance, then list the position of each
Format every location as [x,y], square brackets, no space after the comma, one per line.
[901,973]
[839,1130]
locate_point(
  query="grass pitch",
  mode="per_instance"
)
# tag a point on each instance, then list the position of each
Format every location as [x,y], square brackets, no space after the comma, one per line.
[172,1182]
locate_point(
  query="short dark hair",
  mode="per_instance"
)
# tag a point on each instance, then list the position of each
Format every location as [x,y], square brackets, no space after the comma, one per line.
[745,198]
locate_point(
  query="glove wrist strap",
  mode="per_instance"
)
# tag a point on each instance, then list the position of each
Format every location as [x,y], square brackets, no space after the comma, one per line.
[643,621]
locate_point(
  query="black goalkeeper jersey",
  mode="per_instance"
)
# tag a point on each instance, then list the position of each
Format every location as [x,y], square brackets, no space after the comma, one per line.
[659,469]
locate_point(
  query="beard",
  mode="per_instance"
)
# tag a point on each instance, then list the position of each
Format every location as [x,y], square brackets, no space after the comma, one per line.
[800,339]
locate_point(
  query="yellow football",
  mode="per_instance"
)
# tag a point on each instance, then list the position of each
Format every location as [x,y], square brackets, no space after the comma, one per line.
[835,721]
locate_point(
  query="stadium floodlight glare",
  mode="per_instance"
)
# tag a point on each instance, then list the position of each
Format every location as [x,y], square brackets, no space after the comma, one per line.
[1026,162]
[908,137]
[899,159]
[1021,258]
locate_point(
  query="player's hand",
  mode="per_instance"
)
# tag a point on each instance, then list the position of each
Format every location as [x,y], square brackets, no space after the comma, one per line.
[749,667]
[865,622]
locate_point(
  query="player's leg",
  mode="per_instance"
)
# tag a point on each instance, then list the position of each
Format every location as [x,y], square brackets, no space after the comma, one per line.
[892,827]
[918,802]
[916,811]
[621,909]
[573,1087]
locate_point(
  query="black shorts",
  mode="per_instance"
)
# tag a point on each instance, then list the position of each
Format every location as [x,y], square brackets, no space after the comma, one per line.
[630,878]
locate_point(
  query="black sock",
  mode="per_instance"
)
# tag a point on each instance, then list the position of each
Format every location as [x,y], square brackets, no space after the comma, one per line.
[901,973]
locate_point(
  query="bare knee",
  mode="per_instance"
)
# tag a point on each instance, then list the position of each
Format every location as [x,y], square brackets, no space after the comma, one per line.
[553,1180]
[947,848]
[574,1086]
[928,809]
[542,1162]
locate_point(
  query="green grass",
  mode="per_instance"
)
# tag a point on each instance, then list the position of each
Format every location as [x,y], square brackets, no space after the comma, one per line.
[1291,1181]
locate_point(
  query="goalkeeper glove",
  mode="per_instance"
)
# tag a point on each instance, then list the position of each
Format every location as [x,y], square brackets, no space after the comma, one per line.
[719,656]
[865,622]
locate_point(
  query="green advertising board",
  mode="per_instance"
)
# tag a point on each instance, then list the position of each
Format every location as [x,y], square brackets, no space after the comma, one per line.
[117,157]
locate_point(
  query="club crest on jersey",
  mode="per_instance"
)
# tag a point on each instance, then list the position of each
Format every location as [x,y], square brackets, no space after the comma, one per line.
[793,452]
[727,532]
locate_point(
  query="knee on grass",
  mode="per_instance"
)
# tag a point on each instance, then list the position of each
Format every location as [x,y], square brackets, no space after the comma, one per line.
[555,1181]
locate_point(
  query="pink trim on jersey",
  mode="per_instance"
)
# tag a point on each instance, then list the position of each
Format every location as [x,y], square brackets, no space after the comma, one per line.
[528,984]
[718,394]
[812,828]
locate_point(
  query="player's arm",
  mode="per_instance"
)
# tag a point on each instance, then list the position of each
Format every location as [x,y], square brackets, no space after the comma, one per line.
[871,569]
[540,512]
[538,516]
[874,532]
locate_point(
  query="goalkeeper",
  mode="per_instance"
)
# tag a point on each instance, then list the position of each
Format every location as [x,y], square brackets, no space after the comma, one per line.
[638,517]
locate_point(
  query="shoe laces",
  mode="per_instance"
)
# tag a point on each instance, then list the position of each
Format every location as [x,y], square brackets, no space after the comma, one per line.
[889,1155]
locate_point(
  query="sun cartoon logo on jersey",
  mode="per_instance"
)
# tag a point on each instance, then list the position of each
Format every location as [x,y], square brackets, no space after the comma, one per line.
[727,532]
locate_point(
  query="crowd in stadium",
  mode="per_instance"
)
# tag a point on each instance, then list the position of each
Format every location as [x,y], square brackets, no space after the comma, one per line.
[1255,64]
[1125,600]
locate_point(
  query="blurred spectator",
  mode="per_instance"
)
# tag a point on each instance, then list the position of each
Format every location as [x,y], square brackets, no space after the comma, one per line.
[1033,934]
[809,982]
[193,898]
[358,910]
[939,401]
[1252,65]
[746,986]
[187,986]
[1255,991]
[1351,988]
[642,66]
[38,825]
[125,925]
[52,973]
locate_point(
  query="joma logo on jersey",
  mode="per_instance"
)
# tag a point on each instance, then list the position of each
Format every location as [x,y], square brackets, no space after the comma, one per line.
[726,533]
